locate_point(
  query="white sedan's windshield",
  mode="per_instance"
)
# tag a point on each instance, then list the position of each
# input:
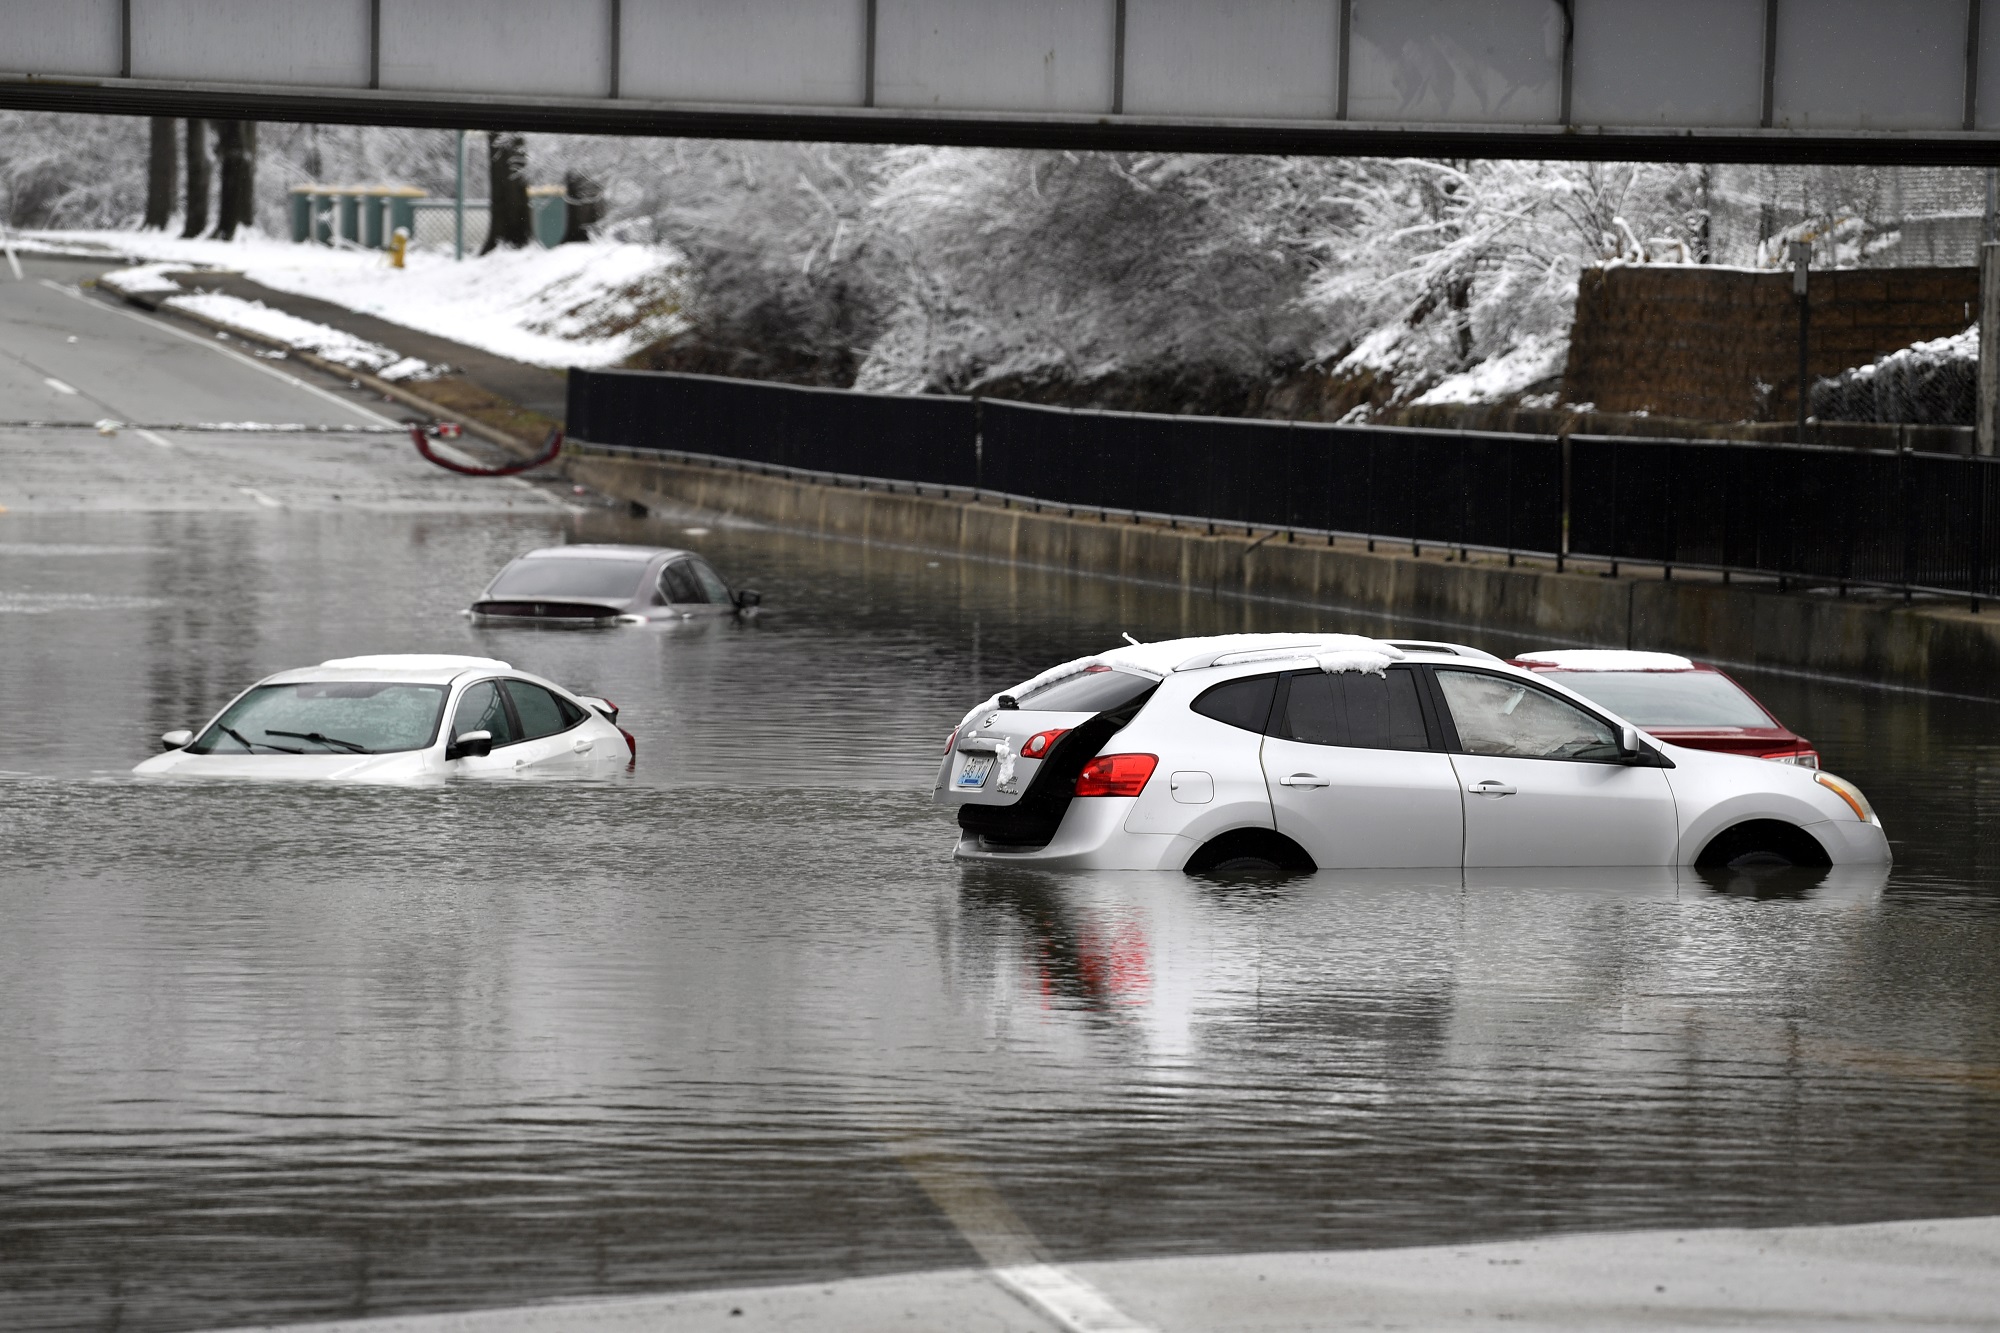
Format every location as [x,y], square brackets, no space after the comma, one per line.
[326,717]
[570,576]
[1669,698]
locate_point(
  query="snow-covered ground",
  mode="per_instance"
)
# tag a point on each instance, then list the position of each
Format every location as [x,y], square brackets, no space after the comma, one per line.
[1500,378]
[588,304]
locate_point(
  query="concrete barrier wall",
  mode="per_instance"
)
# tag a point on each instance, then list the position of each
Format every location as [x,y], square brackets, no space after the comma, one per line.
[1930,646]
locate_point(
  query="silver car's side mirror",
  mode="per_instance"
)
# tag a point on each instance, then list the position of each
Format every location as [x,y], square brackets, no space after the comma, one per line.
[470,743]
[176,740]
[745,598]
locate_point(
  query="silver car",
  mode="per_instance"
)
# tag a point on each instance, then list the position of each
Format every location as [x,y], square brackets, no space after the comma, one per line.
[607,585]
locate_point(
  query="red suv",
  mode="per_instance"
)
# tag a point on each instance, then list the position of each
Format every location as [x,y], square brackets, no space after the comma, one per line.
[1686,703]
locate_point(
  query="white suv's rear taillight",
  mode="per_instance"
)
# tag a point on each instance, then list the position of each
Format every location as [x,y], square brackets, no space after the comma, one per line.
[1038,745]
[1116,775]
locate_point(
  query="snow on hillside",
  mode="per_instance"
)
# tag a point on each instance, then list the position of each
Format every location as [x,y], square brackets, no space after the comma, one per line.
[575,305]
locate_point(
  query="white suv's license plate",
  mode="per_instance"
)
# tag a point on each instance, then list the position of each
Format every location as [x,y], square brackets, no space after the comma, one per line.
[973,775]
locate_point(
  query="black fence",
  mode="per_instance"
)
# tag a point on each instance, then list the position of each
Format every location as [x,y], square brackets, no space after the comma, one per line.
[1800,512]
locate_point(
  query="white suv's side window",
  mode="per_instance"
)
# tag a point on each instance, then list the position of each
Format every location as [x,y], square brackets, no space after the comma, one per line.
[1355,708]
[1497,715]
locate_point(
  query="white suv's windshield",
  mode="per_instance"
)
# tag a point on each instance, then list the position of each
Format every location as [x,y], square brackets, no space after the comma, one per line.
[570,576]
[326,717]
[1669,698]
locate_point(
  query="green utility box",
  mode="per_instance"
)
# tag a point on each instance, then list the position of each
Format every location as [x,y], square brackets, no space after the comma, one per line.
[549,211]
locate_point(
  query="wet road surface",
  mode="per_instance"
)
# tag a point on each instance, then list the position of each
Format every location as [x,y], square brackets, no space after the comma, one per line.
[302,1053]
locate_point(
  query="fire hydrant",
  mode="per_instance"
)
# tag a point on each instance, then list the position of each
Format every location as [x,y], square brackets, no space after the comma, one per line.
[399,243]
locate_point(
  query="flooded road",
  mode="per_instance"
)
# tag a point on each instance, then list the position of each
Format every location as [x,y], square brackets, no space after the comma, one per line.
[292,1053]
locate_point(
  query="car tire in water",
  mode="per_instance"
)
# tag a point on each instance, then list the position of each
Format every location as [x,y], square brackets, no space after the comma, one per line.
[1763,843]
[1250,852]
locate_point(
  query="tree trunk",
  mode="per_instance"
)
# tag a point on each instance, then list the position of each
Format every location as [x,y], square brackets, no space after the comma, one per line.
[586,207]
[236,203]
[163,163]
[508,222]
[197,179]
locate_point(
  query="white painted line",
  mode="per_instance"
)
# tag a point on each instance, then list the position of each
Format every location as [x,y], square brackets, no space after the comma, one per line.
[1013,1255]
[58,385]
[151,437]
[374,418]
[1074,1304]
[261,498]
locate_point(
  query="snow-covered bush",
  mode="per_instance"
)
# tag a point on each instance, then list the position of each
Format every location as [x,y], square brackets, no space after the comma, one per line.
[1933,383]
[71,171]
[1442,267]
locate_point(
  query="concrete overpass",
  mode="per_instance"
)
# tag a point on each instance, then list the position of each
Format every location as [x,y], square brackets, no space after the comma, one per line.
[1908,81]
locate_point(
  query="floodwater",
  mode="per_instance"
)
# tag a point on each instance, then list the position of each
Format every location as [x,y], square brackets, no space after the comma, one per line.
[288,1053]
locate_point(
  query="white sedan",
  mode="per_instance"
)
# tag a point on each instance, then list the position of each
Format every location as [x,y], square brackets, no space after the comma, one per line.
[383,719]
[1309,751]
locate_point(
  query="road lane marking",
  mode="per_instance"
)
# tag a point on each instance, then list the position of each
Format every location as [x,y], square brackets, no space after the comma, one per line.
[293,380]
[1013,1256]
[261,498]
[58,385]
[221,350]
[151,437]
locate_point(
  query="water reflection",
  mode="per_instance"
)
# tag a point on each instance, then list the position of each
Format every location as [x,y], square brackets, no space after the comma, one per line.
[281,1053]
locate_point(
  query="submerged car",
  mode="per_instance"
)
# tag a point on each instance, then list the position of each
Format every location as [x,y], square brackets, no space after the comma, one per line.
[1273,751]
[383,719]
[1689,703]
[586,585]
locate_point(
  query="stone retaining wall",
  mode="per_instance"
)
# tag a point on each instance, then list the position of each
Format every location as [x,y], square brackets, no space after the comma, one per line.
[1690,341]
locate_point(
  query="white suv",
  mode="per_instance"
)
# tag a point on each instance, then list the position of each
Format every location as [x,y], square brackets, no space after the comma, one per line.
[1314,751]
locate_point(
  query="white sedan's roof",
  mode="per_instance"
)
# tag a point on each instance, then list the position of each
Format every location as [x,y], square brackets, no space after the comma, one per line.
[603,551]
[416,668]
[1607,659]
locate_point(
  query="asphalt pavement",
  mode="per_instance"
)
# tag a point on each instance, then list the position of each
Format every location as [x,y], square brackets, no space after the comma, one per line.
[185,406]
[1899,1275]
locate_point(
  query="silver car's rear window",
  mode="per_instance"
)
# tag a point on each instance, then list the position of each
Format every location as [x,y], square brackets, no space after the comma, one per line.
[1669,698]
[570,576]
[1092,691]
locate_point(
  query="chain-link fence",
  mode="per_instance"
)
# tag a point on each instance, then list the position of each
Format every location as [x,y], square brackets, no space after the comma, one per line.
[1932,383]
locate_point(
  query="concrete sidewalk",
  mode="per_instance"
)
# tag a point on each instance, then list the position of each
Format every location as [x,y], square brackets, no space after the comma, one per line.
[1897,1275]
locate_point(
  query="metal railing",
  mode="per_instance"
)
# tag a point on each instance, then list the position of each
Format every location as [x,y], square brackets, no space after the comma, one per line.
[1802,514]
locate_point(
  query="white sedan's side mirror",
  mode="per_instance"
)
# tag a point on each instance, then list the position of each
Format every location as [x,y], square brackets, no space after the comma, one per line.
[176,740]
[473,743]
[1628,741]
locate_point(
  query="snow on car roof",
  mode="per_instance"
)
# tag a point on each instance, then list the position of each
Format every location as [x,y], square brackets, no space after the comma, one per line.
[606,551]
[412,662]
[1334,652]
[1607,659]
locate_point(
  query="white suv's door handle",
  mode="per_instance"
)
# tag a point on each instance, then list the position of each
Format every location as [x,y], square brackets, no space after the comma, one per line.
[1303,780]
[1490,787]
[583,746]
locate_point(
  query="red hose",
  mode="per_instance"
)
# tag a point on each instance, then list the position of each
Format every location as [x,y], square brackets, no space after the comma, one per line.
[551,450]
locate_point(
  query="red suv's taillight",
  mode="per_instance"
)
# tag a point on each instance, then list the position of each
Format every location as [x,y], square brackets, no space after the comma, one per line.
[1038,745]
[1116,774]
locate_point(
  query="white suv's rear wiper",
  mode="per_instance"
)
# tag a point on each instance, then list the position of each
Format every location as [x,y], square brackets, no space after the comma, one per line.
[318,739]
[251,745]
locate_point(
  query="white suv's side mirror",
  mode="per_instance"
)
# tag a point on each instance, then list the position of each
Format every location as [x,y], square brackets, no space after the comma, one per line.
[1628,741]
[473,743]
[176,740]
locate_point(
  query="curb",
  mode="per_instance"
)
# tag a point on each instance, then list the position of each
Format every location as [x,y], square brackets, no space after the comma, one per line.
[373,383]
